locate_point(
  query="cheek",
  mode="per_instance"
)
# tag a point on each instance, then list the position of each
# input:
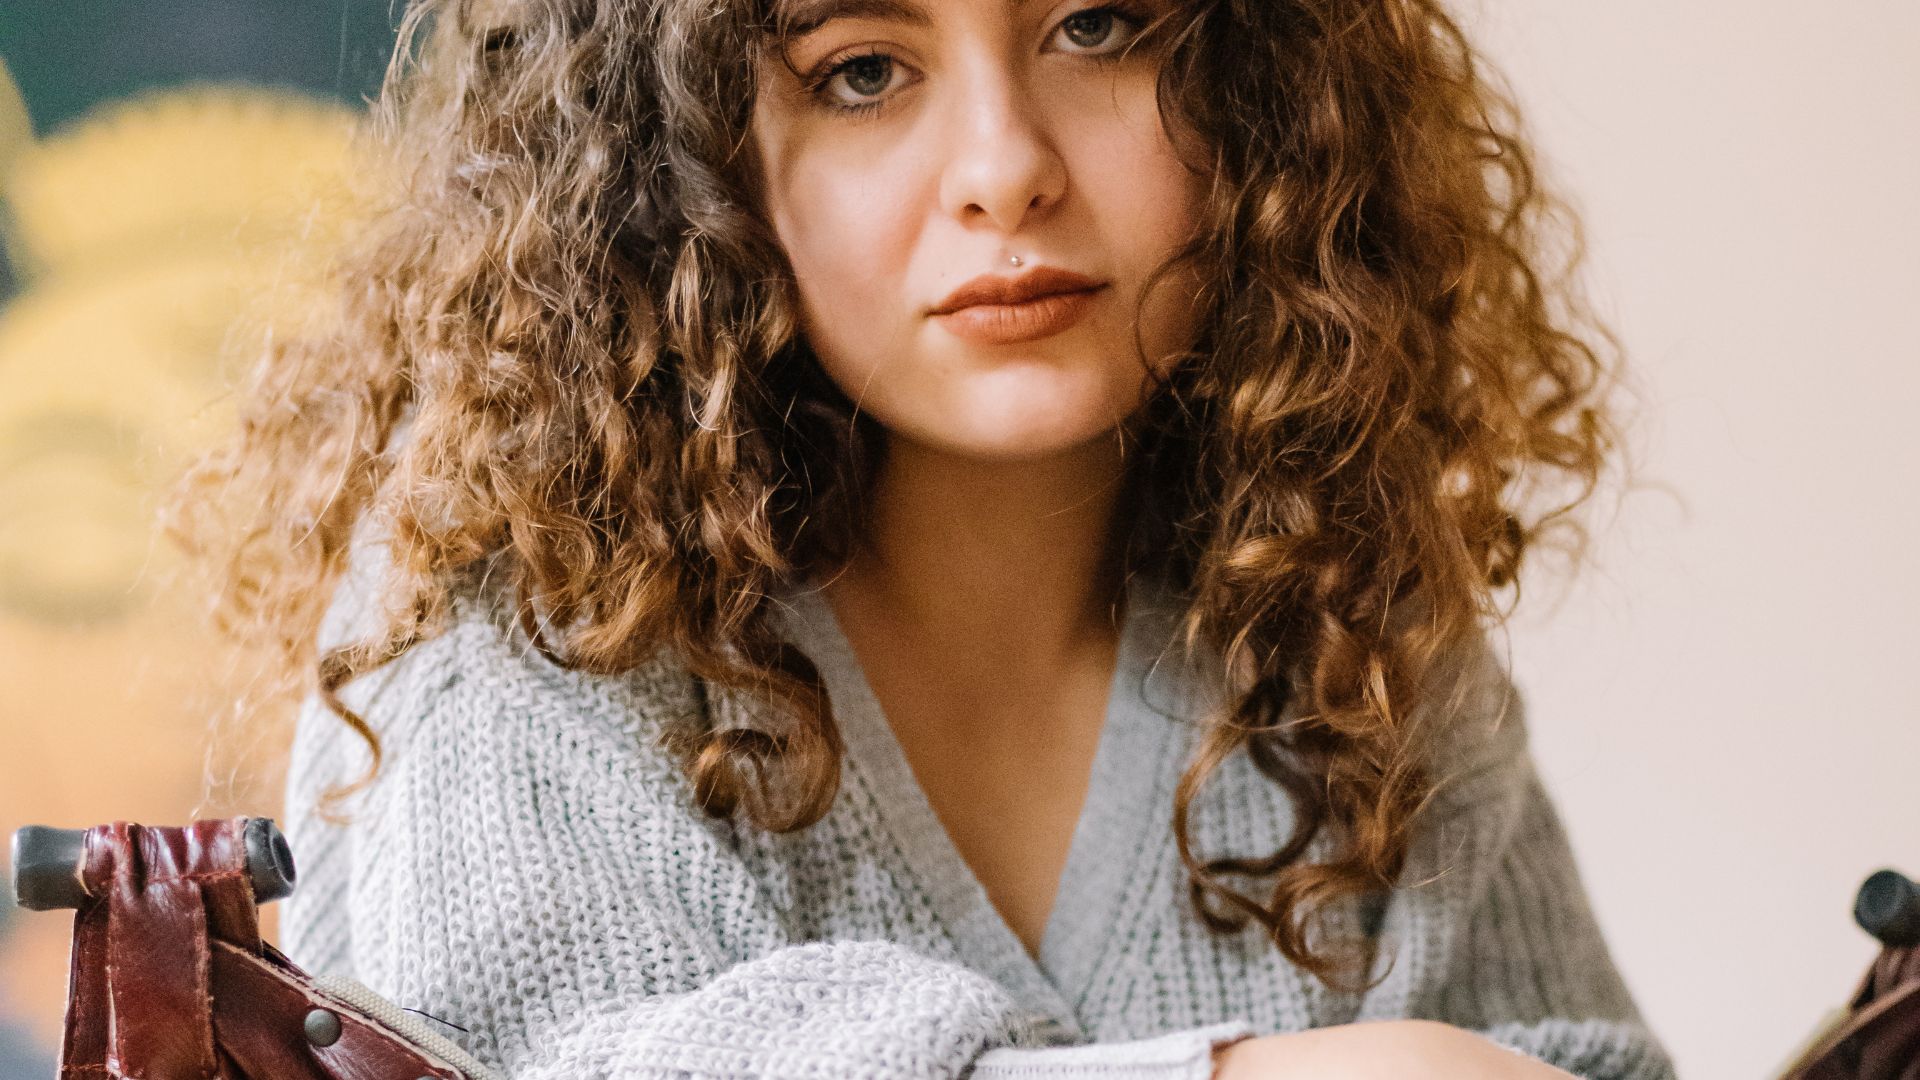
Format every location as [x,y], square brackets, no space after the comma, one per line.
[1127,166]
[843,226]
[1148,206]
[1145,199]
[849,238]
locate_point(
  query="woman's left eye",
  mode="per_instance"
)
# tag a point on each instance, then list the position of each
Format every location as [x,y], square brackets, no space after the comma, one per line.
[1095,27]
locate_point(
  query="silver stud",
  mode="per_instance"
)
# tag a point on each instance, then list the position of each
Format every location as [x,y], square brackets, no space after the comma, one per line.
[323,1028]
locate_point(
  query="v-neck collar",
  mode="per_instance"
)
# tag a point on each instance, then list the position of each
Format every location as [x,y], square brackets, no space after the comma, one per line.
[1119,816]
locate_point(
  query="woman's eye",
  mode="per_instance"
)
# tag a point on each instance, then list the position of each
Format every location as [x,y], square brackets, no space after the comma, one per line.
[1099,27]
[865,75]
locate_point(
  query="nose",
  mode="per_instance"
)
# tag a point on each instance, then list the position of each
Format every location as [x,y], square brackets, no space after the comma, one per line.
[1003,163]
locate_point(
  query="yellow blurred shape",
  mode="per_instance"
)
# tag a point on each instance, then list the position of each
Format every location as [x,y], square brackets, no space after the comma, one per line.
[16,130]
[146,231]
[184,169]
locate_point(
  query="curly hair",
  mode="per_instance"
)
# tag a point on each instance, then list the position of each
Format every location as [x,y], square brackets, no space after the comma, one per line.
[567,348]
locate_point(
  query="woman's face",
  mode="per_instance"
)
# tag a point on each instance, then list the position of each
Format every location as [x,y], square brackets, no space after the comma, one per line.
[942,137]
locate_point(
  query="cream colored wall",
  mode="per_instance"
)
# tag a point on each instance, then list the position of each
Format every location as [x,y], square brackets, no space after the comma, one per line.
[1726,710]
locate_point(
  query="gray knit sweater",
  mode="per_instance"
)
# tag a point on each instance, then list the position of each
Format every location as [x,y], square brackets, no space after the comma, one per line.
[531,871]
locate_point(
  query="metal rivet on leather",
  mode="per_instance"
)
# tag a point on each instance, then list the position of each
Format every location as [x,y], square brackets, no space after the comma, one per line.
[323,1028]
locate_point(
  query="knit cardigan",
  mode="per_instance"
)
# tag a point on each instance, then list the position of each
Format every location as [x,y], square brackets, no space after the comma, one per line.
[530,870]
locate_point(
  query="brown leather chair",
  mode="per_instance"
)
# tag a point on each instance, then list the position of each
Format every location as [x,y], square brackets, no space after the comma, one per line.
[171,978]
[1877,1035]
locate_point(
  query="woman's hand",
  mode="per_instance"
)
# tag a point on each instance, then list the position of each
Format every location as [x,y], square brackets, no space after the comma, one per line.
[1378,1050]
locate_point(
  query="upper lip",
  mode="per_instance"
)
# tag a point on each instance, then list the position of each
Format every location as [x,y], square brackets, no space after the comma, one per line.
[992,289]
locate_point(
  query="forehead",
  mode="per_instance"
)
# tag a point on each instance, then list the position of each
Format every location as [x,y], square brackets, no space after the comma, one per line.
[805,16]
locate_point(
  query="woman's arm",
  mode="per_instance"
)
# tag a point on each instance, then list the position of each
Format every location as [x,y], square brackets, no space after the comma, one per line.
[477,884]
[1381,1050]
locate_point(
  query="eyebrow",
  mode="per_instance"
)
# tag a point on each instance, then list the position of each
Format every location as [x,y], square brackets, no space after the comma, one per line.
[806,16]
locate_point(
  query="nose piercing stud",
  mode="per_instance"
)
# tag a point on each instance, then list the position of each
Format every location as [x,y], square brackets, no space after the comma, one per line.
[1014,259]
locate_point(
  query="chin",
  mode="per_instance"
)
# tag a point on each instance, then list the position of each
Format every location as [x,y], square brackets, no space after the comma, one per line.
[1009,435]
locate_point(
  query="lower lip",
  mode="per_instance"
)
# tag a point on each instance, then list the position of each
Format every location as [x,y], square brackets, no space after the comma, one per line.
[1009,324]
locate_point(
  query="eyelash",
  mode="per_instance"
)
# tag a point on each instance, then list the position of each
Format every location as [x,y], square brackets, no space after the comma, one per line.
[815,87]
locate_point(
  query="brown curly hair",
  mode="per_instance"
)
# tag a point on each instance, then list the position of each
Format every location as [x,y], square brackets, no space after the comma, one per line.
[568,350]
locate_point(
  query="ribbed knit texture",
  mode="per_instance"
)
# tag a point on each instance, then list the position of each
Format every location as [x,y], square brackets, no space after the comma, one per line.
[531,871]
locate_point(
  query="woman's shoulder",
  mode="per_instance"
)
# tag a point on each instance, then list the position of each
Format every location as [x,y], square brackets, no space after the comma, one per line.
[478,671]
[1475,719]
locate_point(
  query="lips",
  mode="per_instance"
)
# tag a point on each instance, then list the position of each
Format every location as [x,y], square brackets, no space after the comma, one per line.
[992,290]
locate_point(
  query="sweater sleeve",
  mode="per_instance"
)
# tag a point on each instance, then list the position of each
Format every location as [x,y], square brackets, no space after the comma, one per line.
[529,874]
[1491,929]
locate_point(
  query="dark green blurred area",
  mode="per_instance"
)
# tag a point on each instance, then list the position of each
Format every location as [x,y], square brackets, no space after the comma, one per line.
[70,55]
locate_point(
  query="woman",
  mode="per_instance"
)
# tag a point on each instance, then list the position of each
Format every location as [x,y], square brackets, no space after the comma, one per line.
[893,538]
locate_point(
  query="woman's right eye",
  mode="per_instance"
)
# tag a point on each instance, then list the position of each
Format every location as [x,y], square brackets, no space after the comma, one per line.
[867,74]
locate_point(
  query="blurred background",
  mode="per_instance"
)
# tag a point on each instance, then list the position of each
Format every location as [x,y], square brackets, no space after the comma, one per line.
[1719,705]
[155,159]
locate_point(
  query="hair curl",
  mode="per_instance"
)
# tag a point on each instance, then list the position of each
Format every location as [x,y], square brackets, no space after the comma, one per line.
[587,337]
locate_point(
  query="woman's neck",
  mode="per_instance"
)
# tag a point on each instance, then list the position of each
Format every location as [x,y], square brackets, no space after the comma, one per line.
[1016,556]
